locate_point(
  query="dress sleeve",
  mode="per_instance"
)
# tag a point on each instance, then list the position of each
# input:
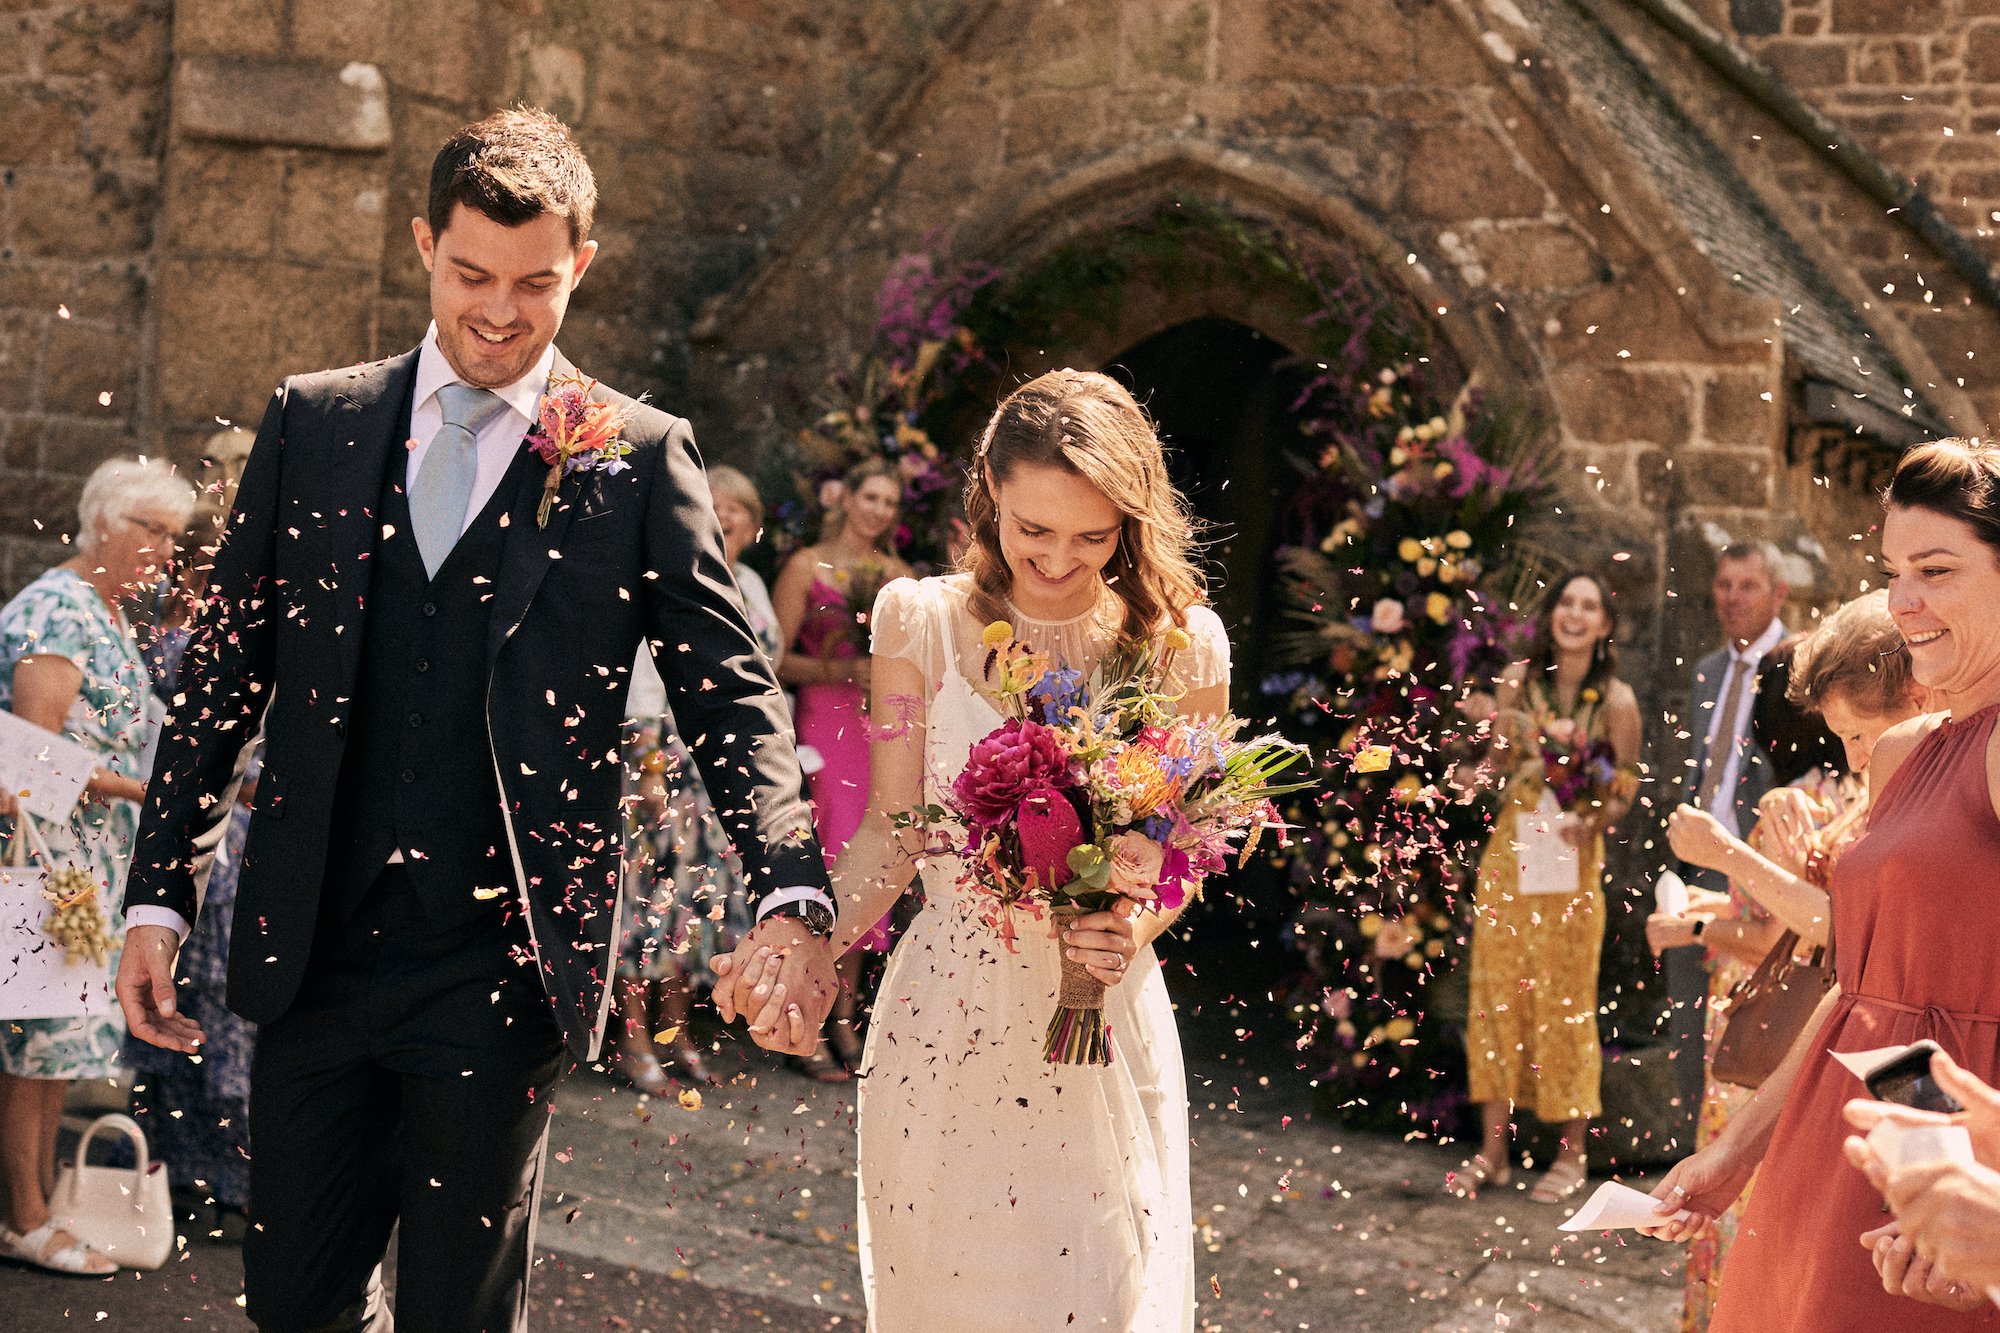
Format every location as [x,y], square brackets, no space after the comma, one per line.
[1206,661]
[57,626]
[905,625]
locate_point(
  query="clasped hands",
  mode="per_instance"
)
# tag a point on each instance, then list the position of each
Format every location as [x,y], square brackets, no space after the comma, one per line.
[781,978]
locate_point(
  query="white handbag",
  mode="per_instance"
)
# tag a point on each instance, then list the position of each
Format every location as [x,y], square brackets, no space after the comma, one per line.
[36,981]
[125,1214]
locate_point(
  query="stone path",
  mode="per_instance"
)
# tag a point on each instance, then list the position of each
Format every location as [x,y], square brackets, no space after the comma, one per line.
[739,1215]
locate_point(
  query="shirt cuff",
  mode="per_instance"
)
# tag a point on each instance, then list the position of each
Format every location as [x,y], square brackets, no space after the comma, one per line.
[143,915]
[798,893]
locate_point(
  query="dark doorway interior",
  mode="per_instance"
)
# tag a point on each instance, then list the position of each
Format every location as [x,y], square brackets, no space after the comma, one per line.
[1221,394]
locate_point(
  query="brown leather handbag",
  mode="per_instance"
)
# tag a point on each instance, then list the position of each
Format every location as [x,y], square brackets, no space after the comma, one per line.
[1767,1011]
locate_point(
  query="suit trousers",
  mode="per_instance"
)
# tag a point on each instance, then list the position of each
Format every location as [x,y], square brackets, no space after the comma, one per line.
[408,1084]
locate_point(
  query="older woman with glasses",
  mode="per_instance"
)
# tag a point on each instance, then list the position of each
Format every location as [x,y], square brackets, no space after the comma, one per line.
[69,664]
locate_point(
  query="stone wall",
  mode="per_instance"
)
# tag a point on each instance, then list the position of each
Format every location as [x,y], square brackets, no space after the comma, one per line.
[81,97]
[1918,83]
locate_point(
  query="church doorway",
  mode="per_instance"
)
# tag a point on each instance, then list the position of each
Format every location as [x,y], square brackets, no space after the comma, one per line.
[1221,394]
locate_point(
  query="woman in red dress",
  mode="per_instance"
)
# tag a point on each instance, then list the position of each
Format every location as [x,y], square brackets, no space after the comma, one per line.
[1916,908]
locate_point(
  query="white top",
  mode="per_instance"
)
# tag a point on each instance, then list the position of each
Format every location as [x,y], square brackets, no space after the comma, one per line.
[1744,659]
[498,442]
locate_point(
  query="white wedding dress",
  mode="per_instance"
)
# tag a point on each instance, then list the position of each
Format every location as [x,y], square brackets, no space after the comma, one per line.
[1000,1193]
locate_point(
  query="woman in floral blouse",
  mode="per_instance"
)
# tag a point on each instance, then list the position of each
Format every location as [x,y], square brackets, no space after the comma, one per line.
[68,663]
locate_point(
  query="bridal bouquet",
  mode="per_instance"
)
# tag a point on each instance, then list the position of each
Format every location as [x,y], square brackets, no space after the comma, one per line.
[1096,789]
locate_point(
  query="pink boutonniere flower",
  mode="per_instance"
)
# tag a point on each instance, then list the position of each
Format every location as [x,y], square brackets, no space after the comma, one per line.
[572,433]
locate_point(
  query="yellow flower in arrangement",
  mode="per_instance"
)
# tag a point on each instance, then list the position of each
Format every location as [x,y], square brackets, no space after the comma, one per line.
[1447,572]
[1588,694]
[1143,780]
[1371,759]
[1399,1029]
[997,635]
[1410,549]
[1438,607]
[1426,567]
[1177,639]
[1458,540]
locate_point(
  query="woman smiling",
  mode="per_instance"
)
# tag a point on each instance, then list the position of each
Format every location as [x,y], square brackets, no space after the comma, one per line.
[1916,931]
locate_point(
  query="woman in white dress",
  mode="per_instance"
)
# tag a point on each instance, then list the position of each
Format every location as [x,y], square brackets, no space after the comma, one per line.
[998,1191]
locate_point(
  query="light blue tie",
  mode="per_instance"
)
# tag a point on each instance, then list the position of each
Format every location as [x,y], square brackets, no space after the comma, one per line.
[443,488]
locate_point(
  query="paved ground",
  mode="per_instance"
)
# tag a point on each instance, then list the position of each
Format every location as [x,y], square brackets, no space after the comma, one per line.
[739,1216]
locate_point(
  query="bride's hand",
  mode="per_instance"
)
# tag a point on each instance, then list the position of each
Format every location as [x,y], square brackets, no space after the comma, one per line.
[1103,942]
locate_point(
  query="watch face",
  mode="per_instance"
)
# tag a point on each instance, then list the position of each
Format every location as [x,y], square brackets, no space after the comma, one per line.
[818,918]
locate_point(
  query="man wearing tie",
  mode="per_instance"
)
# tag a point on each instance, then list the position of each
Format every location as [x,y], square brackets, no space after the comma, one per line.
[1727,772]
[435,631]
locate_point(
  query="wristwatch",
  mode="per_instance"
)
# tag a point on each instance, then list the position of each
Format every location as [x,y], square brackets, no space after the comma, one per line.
[1700,924]
[816,915]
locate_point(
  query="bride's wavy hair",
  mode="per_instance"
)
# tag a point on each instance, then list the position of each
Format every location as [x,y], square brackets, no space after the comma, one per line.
[1089,425]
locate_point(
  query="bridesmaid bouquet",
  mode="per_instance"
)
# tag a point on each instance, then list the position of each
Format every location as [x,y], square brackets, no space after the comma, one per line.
[1096,789]
[1579,772]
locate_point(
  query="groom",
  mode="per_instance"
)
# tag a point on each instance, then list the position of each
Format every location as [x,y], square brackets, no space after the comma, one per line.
[428,908]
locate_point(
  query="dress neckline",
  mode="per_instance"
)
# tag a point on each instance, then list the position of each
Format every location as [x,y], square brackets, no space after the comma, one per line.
[1038,622]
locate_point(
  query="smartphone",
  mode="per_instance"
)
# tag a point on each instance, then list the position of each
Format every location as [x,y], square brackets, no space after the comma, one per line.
[1905,1079]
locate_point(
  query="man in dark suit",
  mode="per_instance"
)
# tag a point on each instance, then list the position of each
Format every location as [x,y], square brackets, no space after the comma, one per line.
[435,635]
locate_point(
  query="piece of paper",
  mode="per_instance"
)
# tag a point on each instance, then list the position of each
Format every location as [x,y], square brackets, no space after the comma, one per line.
[1547,863]
[36,980]
[1614,1207]
[45,770]
[1863,1063]
[1670,894]
[1913,1145]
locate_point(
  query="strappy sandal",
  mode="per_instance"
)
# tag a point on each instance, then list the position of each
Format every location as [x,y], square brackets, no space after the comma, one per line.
[641,1068]
[1560,1181]
[1476,1174]
[38,1249]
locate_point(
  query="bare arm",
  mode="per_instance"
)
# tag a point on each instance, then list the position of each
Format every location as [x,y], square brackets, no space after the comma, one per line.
[878,861]
[45,689]
[788,600]
[1622,726]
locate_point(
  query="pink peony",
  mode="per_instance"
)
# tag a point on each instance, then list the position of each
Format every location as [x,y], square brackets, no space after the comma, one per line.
[1049,829]
[1005,768]
[1387,616]
[1136,862]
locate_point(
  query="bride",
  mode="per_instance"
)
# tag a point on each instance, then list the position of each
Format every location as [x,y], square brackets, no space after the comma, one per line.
[998,1191]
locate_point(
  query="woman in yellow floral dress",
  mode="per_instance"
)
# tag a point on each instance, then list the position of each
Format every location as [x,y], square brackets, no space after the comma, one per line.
[1568,729]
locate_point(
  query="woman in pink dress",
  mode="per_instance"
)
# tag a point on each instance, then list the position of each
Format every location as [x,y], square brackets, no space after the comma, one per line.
[823,598]
[1916,916]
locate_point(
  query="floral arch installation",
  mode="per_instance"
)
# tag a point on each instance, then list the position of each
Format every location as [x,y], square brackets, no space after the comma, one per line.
[1408,527]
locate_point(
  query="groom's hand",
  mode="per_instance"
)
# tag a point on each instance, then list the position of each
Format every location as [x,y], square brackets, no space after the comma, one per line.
[146,990]
[781,979]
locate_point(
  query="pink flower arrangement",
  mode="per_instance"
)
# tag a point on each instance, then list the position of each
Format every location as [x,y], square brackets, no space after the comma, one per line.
[1091,794]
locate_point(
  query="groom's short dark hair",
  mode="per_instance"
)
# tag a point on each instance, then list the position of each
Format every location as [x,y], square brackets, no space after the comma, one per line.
[514,166]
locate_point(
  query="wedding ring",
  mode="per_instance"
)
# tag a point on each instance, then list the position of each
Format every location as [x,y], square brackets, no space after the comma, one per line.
[1678,1190]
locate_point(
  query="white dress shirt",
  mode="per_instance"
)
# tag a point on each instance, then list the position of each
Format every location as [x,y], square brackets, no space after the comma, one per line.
[1744,659]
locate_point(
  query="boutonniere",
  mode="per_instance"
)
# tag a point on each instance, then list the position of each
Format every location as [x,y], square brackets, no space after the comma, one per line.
[573,434]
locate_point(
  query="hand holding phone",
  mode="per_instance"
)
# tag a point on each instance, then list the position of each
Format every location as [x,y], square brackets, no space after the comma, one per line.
[1905,1079]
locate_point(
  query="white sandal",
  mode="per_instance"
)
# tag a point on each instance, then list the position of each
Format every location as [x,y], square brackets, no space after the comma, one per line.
[75,1259]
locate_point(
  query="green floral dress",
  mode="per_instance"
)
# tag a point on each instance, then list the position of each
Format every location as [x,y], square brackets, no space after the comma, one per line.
[61,615]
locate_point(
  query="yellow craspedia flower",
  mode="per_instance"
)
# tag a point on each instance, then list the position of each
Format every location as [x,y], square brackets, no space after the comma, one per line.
[998,634]
[1371,759]
[1410,549]
[1458,539]
[1178,638]
[1438,607]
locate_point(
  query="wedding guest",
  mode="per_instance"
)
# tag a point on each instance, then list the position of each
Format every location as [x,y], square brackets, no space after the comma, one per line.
[1531,1030]
[688,896]
[1855,671]
[1945,1239]
[196,1114]
[823,598]
[69,663]
[1727,771]
[1929,858]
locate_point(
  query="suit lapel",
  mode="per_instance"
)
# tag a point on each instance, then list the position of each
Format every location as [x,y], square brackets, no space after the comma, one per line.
[530,548]
[371,421]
